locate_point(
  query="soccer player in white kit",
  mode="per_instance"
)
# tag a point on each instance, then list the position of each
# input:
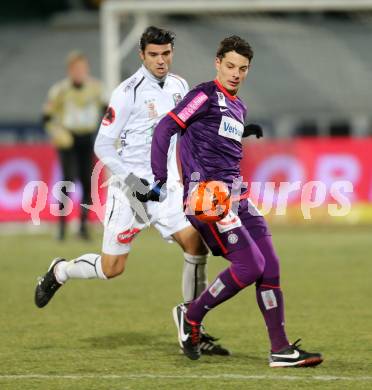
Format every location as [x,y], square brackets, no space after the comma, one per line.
[135,108]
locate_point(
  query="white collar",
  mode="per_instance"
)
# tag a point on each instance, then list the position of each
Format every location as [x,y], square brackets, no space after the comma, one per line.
[150,76]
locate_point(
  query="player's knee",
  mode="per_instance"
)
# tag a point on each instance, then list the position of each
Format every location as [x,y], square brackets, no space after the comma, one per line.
[275,267]
[270,275]
[196,246]
[197,250]
[272,261]
[115,270]
[260,264]
[191,242]
[264,282]
[113,266]
[251,271]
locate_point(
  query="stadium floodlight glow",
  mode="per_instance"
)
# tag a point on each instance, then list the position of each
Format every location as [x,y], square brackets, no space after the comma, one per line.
[114,11]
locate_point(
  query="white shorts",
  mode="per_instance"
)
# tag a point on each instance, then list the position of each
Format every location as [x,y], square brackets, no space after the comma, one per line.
[125,217]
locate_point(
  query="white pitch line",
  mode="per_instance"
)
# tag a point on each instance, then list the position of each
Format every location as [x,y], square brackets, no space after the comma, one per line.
[324,378]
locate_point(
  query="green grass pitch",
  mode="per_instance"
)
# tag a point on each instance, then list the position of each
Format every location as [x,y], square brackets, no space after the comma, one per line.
[119,334]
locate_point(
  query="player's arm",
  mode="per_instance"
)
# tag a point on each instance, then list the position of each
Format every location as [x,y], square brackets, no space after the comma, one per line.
[115,119]
[188,110]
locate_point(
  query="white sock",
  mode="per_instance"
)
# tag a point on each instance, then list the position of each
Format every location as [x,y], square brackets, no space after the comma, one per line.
[87,266]
[194,277]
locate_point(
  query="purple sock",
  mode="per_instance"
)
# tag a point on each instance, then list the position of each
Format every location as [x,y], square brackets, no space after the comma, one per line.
[247,265]
[223,288]
[270,301]
[270,297]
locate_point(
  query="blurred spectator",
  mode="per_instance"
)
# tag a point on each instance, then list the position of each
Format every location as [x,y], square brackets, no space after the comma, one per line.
[71,115]
[340,128]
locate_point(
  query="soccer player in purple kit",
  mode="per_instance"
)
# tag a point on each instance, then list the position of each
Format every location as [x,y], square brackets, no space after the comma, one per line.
[210,120]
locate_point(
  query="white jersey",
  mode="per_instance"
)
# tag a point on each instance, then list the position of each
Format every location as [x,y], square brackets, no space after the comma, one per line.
[136,107]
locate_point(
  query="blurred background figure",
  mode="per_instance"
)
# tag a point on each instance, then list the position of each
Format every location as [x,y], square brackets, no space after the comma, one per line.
[71,115]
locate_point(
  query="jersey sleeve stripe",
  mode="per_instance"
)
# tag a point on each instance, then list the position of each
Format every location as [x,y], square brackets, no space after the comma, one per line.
[178,120]
[135,88]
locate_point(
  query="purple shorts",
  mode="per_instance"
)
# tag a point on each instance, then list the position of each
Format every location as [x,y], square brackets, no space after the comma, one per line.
[234,232]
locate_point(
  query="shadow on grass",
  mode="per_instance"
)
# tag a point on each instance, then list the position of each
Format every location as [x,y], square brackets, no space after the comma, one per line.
[127,339]
[43,347]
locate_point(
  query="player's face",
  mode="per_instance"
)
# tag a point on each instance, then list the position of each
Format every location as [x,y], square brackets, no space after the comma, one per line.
[232,71]
[78,71]
[157,59]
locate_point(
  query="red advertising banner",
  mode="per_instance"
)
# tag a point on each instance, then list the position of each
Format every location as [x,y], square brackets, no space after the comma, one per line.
[326,160]
[30,170]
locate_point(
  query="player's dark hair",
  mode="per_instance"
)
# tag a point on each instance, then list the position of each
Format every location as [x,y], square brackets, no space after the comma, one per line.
[156,35]
[235,43]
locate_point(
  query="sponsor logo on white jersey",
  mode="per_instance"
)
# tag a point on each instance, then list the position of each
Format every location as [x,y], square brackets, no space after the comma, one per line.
[177,97]
[109,116]
[130,84]
[151,108]
[231,128]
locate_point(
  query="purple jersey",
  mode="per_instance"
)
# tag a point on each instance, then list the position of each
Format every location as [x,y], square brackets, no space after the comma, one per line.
[211,122]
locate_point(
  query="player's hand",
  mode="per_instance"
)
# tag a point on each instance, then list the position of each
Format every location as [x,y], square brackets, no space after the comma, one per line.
[158,191]
[253,129]
[139,186]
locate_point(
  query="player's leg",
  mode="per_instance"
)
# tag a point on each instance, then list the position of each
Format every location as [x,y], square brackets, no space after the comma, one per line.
[91,266]
[269,294]
[86,266]
[169,219]
[270,297]
[225,286]
[195,281]
[194,276]
[271,303]
[121,227]
[247,264]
